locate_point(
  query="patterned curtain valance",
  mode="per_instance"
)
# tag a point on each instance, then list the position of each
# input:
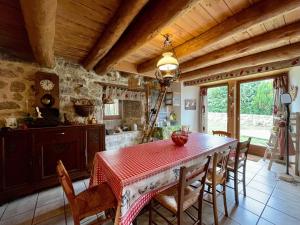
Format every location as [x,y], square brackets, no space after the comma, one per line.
[124,94]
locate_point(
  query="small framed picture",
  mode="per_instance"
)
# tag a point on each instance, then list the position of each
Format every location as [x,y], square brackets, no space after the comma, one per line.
[190,104]
[169,98]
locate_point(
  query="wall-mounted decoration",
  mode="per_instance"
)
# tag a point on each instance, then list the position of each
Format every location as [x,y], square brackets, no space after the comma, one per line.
[293,90]
[190,104]
[47,90]
[169,98]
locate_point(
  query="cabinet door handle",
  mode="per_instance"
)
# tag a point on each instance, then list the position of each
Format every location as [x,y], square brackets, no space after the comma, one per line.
[62,133]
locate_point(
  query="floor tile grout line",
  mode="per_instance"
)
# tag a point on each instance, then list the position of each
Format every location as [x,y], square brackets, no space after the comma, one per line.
[260,191]
[267,204]
[37,198]
[6,205]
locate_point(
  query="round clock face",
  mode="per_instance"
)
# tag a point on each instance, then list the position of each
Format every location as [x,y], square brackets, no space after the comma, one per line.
[47,85]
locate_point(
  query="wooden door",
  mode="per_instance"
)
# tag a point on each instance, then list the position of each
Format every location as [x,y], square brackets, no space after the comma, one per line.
[58,144]
[16,161]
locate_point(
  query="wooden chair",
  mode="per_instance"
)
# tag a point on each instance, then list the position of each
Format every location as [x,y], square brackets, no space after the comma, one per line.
[89,202]
[239,160]
[272,147]
[221,133]
[217,176]
[182,196]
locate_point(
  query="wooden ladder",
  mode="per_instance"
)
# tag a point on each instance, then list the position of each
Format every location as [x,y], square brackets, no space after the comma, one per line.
[153,116]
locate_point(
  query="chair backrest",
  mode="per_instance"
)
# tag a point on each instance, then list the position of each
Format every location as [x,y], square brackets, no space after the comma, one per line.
[219,167]
[221,133]
[241,152]
[65,181]
[189,175]
[273,140]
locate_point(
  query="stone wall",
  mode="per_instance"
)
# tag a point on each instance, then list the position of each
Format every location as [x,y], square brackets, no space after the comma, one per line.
[17,88]
[248,120]
[121,140]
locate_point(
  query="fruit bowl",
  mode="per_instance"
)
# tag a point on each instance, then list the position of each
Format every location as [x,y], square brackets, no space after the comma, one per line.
[179,137]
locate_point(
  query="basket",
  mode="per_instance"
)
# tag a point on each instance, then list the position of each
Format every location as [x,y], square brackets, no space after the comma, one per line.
[84,110]
[84,107]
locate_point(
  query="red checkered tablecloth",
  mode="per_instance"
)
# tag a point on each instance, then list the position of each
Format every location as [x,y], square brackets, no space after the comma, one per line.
[137,173]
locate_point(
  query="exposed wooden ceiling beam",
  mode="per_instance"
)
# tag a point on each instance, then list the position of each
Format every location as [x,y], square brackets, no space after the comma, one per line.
[245,73]
[126,67]
[114,29]
[273,55]
[39,16]
[246,47]
[258,13]
[150,21]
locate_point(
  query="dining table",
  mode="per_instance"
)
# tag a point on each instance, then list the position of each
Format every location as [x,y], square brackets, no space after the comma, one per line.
[137,173]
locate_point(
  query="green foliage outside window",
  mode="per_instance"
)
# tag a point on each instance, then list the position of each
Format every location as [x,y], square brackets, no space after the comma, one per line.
[256,98]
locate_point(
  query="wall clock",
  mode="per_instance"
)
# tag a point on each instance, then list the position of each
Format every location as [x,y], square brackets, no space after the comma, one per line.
[47,90]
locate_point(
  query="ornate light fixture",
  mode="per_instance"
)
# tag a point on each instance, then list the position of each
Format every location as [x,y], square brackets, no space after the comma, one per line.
[168,66]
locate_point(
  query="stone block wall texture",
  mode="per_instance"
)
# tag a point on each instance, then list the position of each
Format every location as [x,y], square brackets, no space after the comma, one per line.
[248,120]
[17,88]
[121,140]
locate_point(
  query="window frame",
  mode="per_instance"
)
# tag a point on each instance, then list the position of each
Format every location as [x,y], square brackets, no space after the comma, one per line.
[113,117]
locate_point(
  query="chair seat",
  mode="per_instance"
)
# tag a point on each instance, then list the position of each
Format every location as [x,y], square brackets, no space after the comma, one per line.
[169,198]
[219,177]
[230,165]
[95,199]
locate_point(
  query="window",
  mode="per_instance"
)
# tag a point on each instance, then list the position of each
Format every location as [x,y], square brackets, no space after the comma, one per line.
[256,106]
[112,111]
[217,108]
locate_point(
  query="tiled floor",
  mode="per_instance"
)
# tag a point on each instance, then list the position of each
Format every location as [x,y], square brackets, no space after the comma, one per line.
[268,201]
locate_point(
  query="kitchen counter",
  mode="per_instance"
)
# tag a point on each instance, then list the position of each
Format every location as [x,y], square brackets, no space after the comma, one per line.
[124,139]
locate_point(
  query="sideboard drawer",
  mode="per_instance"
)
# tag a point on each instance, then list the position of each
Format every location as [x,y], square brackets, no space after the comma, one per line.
[57,136]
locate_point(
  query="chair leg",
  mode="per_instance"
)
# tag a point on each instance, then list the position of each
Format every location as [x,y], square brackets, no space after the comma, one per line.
[215,208]
[134,222]
[227,176]
[236,189]
[225,200]
[150,212]
[244,179]
[180,218]
[271,161]
[76,221]
[200,200]
[265,155]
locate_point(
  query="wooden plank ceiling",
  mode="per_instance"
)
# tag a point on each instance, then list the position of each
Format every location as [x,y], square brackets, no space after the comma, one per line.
[108,34]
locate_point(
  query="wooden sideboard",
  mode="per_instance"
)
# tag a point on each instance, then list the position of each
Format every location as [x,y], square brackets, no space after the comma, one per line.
[28,157]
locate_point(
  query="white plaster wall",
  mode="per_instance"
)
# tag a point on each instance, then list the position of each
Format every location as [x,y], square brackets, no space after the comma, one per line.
[294,77]
[176,87]
[190,117]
